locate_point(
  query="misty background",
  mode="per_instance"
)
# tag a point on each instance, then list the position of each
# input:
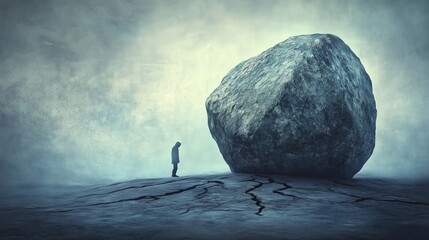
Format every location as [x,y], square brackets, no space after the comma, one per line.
[101,90]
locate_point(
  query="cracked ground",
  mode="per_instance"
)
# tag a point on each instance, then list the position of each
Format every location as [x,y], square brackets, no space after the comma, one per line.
[224,206]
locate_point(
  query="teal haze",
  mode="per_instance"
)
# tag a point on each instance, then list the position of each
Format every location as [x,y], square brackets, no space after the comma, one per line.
[101,90]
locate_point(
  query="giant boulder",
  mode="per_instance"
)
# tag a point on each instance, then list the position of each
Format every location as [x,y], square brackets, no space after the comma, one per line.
[304,107]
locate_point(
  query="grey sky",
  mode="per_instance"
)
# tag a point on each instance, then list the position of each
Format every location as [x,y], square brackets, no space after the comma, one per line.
[96,90]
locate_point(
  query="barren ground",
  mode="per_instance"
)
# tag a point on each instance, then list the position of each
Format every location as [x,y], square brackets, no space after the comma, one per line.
[223,206]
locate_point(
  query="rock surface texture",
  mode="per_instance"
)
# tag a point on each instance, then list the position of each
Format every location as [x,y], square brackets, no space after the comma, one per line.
[304,107]
[224,206]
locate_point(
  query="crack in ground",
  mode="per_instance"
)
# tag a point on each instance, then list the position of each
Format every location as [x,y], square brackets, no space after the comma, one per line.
[130,187]
[214,208]
[270,180]
[206,189]
[361,199]
[154,197]
[109,185]
[286,186]
[254,197]
[259,183]
[187,210]
[279,191]
[150,197]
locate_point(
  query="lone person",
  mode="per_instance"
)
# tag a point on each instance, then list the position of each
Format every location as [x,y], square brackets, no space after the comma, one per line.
[175,158]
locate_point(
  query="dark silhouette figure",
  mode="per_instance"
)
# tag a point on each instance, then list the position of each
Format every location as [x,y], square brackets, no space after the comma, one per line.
[175,158]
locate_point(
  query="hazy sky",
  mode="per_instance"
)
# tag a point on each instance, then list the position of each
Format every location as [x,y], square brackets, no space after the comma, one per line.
[95,90]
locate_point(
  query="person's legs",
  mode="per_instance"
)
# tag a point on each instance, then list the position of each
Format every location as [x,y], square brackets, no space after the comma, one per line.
[173,174]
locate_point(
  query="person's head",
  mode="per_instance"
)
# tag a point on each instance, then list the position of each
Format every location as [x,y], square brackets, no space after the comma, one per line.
[178,144]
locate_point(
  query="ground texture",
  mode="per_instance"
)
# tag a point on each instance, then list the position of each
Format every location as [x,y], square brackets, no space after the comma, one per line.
[223,206]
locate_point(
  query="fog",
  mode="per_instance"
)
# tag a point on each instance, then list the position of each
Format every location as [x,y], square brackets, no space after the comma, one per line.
[95,91]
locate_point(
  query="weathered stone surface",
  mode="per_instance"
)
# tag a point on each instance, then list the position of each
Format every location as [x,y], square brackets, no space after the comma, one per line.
[223,206]
[303,107]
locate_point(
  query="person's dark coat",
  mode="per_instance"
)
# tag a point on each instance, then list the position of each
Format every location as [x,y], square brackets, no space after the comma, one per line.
[175,154]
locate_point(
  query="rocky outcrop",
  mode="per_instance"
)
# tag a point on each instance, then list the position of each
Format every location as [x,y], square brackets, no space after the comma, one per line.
[303,107]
